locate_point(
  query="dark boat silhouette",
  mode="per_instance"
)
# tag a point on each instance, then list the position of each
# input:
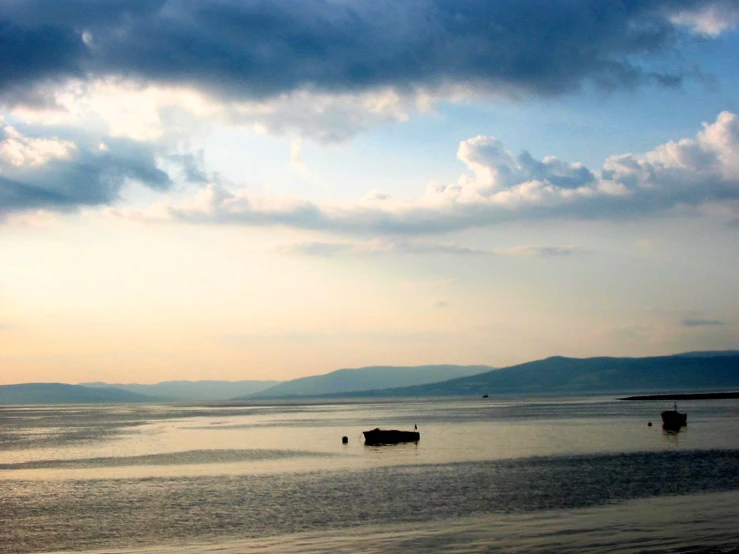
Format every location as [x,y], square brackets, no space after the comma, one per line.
[390,436]
[672,420]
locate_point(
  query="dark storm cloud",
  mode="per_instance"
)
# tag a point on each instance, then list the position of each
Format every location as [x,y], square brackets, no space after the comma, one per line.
[263,48]
[42,41]
[85,175]
[32,54]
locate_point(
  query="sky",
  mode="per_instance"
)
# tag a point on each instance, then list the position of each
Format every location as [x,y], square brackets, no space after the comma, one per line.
[270,189]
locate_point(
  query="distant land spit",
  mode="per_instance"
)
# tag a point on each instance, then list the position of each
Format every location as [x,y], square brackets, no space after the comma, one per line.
[685,396]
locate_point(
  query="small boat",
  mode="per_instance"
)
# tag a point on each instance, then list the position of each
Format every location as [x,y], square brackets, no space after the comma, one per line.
[390,436]
[672,420]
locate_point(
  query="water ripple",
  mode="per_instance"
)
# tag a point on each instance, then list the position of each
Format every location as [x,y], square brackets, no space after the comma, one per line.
[129,513]
[188,457]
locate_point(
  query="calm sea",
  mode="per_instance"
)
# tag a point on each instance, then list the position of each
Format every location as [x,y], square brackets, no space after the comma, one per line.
[549,474]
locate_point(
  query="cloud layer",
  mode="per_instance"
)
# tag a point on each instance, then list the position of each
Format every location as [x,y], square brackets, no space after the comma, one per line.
[99,93]
[501,186]
[266,48]
[73,170]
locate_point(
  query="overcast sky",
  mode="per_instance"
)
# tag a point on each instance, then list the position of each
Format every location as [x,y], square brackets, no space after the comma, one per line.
[229,189]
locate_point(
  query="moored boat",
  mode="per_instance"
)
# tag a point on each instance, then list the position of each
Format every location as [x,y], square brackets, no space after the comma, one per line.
[390,436]
[673,420]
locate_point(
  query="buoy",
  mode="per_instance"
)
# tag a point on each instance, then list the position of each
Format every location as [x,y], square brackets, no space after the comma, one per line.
[345,440]
[649,424]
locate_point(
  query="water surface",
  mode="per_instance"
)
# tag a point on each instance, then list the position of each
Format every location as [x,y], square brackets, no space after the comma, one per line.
[511,474]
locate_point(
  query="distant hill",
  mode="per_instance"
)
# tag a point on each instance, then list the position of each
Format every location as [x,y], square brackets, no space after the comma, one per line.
[681,372]
[367,378]
[60,393]
[192,391]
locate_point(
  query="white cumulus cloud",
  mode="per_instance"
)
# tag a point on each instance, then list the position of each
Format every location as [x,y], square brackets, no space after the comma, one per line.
[502,186]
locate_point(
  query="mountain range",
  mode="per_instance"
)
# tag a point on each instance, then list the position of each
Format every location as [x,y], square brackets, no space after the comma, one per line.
[693,371]
[368,378]
[686,372]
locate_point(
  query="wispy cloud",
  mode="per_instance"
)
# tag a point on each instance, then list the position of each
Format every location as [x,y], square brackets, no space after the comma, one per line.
[376,247]
[540,251]
[296,155]
[711,18]
[701,322]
